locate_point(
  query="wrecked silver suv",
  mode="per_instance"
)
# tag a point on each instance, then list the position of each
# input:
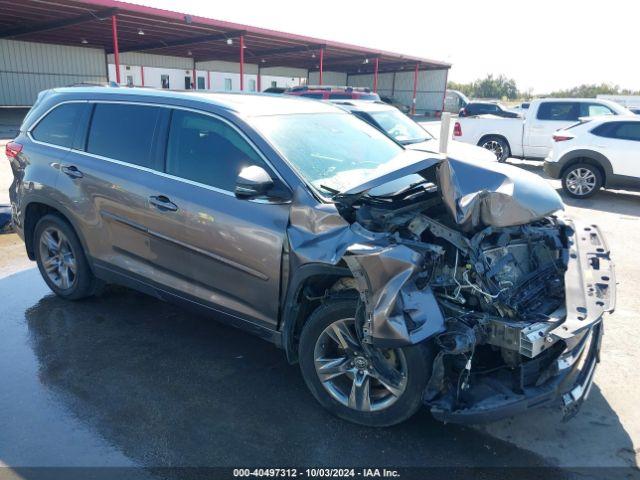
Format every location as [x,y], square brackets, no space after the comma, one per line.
[396,278]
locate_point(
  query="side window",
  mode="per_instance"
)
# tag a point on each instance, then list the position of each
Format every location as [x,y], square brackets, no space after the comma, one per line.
[594,110]
[606,130]
[558,111]
[628,131]
[207,150]
[313,95]
[124,132]
[59,126]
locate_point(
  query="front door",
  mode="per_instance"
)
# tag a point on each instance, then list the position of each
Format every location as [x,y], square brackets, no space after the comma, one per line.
[214,247]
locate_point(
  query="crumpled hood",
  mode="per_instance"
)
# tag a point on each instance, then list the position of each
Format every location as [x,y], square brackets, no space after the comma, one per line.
[476,194]
[455,149]
[494,194]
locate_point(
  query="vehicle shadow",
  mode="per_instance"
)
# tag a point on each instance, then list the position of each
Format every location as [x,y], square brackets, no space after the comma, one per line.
[594,439]
[612,201]
[170,389]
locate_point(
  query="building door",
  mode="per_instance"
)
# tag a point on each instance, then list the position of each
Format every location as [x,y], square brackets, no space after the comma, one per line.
[187,83]
[164,81]
[201,83]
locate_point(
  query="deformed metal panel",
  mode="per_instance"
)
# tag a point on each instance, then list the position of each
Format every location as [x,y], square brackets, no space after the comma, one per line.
[27,68]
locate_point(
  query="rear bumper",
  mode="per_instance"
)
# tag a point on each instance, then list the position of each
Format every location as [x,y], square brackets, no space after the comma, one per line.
[552,169]
[569,386]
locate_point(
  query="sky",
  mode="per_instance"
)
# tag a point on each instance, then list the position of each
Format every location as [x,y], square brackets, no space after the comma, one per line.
[544,45]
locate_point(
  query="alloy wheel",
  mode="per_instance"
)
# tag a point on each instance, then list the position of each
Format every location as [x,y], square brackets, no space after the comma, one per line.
[362,378]
[495,147]
[57,258]
[581,181]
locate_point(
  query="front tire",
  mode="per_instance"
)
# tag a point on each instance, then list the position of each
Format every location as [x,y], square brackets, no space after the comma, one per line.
[498,146]
[581,180]
[361,384]
[61,259]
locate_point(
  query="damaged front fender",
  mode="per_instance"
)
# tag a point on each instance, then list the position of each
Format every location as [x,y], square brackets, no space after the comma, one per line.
[397,312]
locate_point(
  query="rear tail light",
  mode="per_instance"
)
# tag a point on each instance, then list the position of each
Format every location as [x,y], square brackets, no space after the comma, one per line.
[457,130]
[12,149]
[562,138]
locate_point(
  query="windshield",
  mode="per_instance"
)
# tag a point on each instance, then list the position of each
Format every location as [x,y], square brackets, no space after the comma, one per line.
[399,126]
[331,151]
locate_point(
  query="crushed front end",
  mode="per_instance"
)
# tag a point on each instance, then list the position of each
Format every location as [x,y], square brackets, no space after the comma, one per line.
[509,296]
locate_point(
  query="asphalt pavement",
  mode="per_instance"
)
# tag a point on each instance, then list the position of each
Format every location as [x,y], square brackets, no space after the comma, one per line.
[125,381]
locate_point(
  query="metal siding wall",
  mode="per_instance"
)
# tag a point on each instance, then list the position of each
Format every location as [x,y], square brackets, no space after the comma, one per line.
[284,72]
[328,78]
[227,67]
[27,68]
[385,82]
[431,88]
[150,60]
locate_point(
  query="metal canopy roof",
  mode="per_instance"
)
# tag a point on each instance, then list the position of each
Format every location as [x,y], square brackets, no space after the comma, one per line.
[71,22]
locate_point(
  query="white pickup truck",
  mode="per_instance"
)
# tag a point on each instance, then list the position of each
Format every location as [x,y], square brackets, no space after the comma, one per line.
[530,136]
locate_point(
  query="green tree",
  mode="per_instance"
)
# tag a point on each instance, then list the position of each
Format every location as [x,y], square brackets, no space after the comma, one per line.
[591,91]
[489,87]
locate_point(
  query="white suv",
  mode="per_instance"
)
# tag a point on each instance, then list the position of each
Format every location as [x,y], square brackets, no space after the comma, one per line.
[595,153]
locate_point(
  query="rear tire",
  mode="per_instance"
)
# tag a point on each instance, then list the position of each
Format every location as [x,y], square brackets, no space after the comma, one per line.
[581,180]
[392,397]
[61,259]
[498,146]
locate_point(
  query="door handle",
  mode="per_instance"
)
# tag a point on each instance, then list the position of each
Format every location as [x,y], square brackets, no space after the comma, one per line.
[72,171]
[163,203]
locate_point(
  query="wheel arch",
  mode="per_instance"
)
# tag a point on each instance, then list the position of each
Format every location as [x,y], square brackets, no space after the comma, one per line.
[305,293]
[37,208]
[590,157]
[484,138]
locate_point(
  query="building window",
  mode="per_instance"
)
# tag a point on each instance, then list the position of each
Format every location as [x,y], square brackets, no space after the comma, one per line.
[164,81]
[228,86]
[252,85]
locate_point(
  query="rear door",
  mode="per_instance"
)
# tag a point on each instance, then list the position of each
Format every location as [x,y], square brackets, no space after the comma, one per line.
[620,143]
[209,245]
[106,182]
[539,128]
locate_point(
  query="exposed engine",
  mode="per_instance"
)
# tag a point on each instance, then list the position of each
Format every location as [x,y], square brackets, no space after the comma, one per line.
[500,289]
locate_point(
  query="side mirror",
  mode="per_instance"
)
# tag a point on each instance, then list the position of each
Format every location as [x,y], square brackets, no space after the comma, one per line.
[253,181]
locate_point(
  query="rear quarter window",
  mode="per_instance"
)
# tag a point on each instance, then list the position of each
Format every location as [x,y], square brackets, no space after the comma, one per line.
[59,126]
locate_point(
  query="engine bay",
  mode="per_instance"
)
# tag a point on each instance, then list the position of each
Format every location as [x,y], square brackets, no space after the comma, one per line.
[500,291]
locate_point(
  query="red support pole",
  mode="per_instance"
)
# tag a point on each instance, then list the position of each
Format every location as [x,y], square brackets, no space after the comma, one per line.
[415,90]
[195,87]
[321,65]
[116,52]
[142,74]
[258,87]
[208,80]
[242,63]
[375,76]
